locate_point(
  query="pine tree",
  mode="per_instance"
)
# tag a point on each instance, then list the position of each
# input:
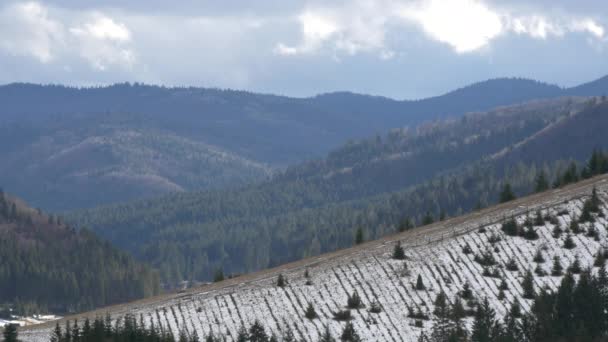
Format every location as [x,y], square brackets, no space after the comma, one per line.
[569,242]
[427,219]
[600,260]
[242,335]
[557,269]
[10,333]
[406,224]
[528,286]
[507,195]
[575,267]
[510,227]
[398,251]
[57,335]
[281,281]
[484,325]
[419,284]
[541,182]
[354,301]
[310,312]
[359,238]
[219,275]
[349,334]
[257,333]
[326,335]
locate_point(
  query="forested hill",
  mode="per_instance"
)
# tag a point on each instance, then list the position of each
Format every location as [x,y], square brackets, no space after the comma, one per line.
[443,169]
[47,266]
[131,141]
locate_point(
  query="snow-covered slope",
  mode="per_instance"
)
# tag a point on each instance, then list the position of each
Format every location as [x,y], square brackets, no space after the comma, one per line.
[434,252]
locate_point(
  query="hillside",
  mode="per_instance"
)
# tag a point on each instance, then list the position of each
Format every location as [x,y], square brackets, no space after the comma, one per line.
[46,266]
[125,142]
[442,169]
[398,297]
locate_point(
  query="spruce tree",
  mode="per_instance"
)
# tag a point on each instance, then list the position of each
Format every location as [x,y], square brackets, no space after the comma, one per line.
[10,333]
[310,312]
[406,224]
[527,285]
[242,335]
[569,242]
[57,335]
[507,195]
[281,280]
[484,325]
[557,269]
[354,301]
[398,251]
[326,335]
[349,334]
[359,238]
[257,333]
[541,182]
[419,284]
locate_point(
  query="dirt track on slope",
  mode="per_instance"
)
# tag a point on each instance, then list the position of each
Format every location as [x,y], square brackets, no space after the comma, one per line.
[414,237]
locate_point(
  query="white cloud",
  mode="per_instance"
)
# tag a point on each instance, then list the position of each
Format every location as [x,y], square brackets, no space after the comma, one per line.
[466,25]
[103,28]
[34,30]
[27,30]
[103,42]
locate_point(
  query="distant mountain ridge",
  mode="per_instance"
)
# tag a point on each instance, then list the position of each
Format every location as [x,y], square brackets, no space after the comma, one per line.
[183,139]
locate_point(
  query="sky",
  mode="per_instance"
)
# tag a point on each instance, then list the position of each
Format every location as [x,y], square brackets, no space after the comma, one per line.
[405,49]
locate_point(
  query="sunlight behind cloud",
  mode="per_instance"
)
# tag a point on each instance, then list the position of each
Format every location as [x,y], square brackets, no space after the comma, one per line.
[466,25]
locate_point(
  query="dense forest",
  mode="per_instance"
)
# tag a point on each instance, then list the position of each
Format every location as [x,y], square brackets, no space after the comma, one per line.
[439,170]
[133,141]
[49,266]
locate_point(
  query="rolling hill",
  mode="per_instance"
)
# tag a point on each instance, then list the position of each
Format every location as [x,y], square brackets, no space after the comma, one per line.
[443,169]
[131,141]
[47,266]
[469,259]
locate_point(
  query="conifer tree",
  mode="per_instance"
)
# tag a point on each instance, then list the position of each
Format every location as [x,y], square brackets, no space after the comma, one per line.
[349,334]
[557,269]
[507,195]
[326,335]
[569,242]
[310,312]
[484,326]
[359,238]
[281,280]
[398,251]
[354,301]
[541,182]
[419,284]
[528,286]
[257,333]
[10,333]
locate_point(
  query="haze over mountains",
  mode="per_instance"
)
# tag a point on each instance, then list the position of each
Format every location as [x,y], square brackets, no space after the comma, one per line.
[125,142]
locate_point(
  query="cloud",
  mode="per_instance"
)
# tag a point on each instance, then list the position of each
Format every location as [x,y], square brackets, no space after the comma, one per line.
[466,25]
[31,29]
[27,30]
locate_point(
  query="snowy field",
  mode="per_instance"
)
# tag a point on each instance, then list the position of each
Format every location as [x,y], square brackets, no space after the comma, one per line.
[436,253]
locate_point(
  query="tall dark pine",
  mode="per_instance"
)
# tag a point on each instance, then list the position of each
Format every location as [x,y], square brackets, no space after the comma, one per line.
[506,194]
[541,182]
[484,326]
[10,333]
[359,238]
